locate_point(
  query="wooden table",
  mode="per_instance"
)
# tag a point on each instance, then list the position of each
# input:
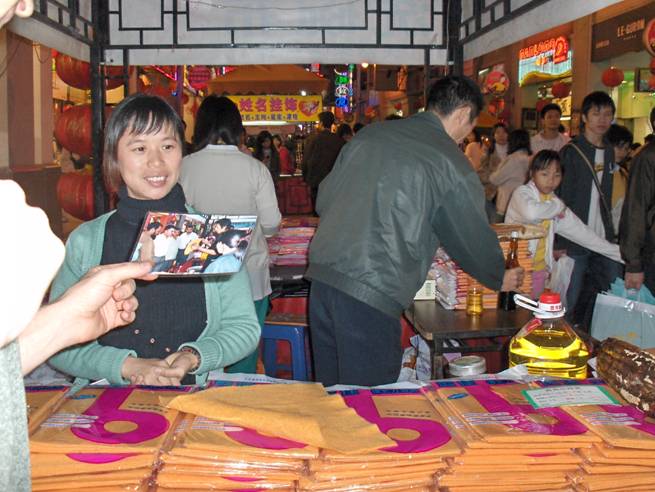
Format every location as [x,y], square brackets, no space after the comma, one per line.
[436,325]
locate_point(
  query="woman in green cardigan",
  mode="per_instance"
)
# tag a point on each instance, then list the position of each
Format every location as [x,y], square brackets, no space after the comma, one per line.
[186,326]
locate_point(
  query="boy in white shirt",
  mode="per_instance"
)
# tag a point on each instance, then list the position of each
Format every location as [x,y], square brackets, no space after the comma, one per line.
[550,137]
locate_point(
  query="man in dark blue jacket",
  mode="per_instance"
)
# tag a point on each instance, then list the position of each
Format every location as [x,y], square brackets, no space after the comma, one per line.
[396,193]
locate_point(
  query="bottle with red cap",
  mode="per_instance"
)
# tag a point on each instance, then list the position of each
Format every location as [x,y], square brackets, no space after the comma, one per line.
[547,344]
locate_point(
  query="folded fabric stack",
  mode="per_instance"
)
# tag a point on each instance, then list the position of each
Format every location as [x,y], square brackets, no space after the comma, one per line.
[422,444]
[290,246]
[508,444]
[102,439]
[41,402]
[208,454]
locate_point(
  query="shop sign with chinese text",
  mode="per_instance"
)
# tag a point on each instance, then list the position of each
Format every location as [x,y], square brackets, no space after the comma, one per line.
[289,108]
[622,34]
[546,60]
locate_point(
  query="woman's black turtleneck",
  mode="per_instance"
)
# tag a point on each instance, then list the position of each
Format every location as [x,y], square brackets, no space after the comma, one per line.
[171,310]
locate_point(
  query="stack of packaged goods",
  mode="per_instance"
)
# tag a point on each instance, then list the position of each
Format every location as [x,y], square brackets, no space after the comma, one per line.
[422,442]
[490,297]
[102,438]
[290,246]
[41,402]
[208,454]
[625,460]
[508,444]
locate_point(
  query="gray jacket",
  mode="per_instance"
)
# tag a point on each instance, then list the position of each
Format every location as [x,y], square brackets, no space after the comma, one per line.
[398,191]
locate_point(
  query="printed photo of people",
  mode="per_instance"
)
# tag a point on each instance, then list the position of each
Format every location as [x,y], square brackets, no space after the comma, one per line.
[193,244]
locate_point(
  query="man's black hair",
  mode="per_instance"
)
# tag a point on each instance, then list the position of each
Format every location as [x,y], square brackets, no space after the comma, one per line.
[597,99]
[550,107]
[452,92]
[326,118]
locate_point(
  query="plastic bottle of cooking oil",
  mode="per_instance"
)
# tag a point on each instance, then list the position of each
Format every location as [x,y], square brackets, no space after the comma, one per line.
[547,344]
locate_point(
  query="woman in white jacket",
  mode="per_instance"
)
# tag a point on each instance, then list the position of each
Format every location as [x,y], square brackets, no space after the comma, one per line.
[512,171]
[535,203]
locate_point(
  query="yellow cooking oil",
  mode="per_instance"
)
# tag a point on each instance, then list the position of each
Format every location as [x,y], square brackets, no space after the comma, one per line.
[550,348]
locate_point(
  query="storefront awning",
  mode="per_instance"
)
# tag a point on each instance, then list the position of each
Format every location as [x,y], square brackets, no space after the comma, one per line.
[268,79]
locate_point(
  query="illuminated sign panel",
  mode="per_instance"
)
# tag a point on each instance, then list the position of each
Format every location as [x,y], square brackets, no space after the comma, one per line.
[546,60]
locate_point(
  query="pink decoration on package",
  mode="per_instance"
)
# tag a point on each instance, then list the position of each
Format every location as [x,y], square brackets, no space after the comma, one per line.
[107,408]
[97,459]
[251,437]
[432,434]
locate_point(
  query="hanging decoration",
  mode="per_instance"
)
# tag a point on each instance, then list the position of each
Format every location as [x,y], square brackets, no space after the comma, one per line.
[652,65]
[77,73]
[198,76]
[541,103]
[496,106]
[73,129]
[560,89]
[496,83]
[612,77]
[649,37]
[75,194]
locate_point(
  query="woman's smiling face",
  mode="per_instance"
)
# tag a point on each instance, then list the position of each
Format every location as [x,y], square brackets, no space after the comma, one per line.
[149,163]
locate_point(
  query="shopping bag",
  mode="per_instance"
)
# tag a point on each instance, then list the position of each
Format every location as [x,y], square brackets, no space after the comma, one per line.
[560,276]
[642,295]
[626,319]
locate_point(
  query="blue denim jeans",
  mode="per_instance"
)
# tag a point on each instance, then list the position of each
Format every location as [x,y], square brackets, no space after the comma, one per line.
[592,273]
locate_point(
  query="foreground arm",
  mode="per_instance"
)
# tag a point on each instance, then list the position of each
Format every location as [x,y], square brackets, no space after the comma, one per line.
[101,301]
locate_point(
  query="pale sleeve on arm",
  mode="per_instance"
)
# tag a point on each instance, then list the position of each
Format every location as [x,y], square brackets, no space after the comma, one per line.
[232,330]
[268,211]
[462,227]
[572,228]
[533,210]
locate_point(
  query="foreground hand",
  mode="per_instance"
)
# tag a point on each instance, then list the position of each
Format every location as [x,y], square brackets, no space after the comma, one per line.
[634,280]
[512,279]
[181,363]
[102,300]
[558,253]
[153,372]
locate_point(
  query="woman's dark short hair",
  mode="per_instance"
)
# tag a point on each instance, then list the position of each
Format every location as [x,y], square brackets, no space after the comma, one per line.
[452,92]
[492,147]
[597,99]
[518,140]
[550,107]
[543,159]
[139,114]
[619,135]
[218,121]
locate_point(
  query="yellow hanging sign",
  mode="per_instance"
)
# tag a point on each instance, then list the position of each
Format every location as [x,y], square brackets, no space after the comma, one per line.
[289,108]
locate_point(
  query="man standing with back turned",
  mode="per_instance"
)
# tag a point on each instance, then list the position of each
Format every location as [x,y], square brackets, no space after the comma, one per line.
[321,150]
[396,193]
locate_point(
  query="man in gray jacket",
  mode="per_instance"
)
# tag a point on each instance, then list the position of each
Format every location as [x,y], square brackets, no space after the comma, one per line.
[396,193]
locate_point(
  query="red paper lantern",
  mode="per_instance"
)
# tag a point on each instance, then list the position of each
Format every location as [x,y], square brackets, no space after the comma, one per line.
[198,76]
[612,77]
[652,65]
[560,89]
[75,194]
[73,129]
[398,106]
[77,73]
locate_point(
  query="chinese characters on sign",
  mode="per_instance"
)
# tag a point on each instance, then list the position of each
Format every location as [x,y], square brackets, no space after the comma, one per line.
[546,60]
[289,108]
[343,88]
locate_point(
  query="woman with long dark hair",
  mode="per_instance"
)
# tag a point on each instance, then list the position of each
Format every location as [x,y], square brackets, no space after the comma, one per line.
[219,178]
[266,152]
[490,162]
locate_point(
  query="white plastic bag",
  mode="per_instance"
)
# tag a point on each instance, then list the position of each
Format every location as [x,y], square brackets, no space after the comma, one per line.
[560,276]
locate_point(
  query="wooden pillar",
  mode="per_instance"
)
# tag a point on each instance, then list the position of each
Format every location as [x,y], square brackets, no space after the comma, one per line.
[581,47]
